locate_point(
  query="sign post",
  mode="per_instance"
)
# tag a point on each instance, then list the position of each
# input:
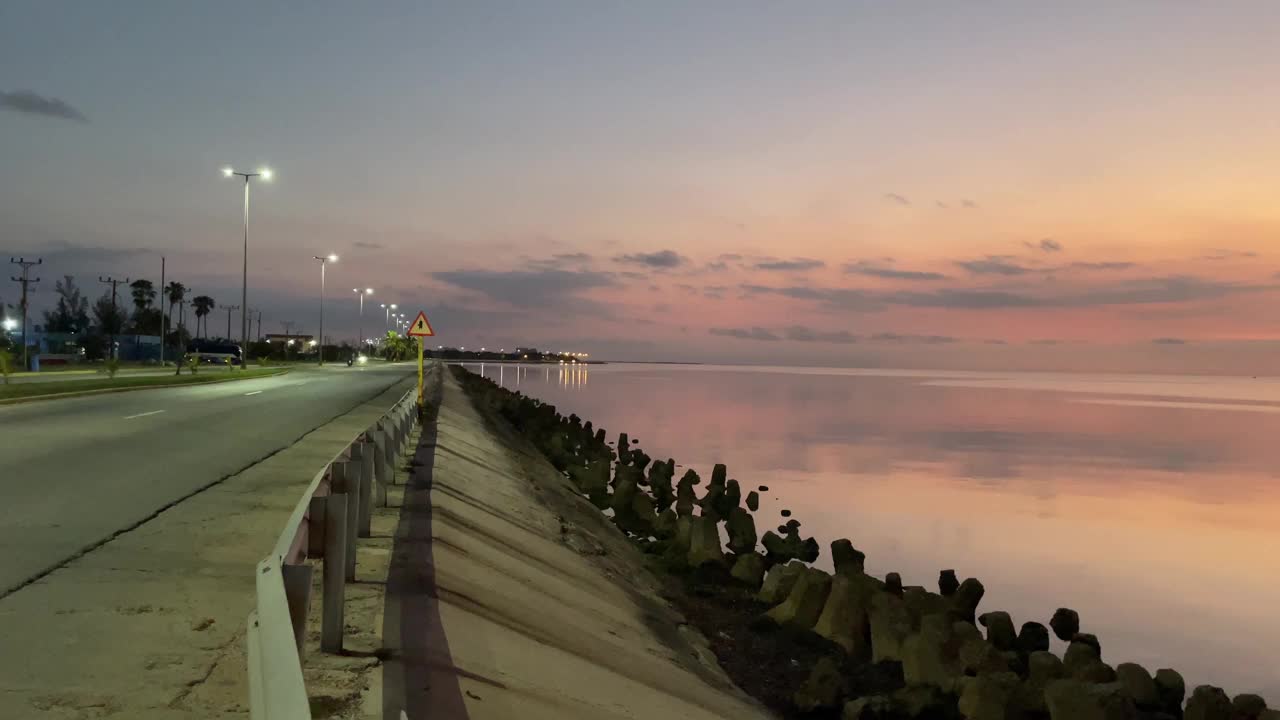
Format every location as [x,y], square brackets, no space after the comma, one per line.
[420,329]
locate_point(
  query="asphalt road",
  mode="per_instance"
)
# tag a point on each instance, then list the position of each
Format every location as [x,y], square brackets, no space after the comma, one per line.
[74,472]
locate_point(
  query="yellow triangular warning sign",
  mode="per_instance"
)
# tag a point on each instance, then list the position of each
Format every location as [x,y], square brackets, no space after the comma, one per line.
[421,327]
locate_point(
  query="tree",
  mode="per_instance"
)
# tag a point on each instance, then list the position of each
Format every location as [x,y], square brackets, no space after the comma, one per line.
[72,312]
[203,305]
[111,319]
[175,292]
[144,293]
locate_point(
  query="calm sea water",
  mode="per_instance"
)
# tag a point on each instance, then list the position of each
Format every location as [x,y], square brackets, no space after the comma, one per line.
[1150,504]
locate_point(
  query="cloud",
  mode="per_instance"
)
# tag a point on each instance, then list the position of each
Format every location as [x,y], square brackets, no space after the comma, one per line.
[660,259]
[755,333]
[927,339]
[787,265]
[1101,265]
[714,291]
[560,261]
[367,245]
[863,267]
[994,341]
[1048,245]
[533,288]
[801,333]
[1220,254]
[897,199]
[941,205]
[993,265]
[1169,341]
[806,334]
[25,101]
[1138,291]
[968,204]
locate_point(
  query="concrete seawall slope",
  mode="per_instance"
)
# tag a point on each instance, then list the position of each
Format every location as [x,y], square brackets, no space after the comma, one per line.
[507,595]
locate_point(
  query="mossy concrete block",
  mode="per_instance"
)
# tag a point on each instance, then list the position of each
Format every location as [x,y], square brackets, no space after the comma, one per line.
[890,626]
[987,697]
[804,603]
[967,597]
[846,558]
[778,582]
[1000,630]
[1208,703]
[1077,700]
[742,531]
[928,655]
[704,542]
[1065,623]
[844,618]
[749,570]
[1033,637]
[869,707]
[1247,706]
[1172,690]
[823,688]
[921,602]
[1138,684]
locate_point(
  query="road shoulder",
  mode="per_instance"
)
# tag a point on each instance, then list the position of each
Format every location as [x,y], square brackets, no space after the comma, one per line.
[151,624]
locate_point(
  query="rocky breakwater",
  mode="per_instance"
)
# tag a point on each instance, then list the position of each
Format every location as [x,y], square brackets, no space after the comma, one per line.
[845,644]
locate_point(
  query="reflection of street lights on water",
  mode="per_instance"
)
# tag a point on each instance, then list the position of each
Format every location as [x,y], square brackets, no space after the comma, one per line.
[324,260]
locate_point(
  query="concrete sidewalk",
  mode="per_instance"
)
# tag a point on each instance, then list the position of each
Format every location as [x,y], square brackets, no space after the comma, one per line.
[496,591]
[151,624]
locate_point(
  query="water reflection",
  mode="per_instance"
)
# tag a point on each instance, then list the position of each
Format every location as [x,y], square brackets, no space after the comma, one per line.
[1157,521]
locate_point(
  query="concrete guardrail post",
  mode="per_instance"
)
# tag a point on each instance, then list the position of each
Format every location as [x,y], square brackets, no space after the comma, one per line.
[364,498]
[347,482]
[380,466]
[335,551]
[390,448]
[297,592]
[315,527]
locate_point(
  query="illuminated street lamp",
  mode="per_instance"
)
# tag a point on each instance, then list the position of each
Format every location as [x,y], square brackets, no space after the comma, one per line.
[367,291]
[264,174]
[324,260]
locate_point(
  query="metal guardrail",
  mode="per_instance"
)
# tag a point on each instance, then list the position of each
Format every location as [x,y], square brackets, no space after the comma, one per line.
[335,509]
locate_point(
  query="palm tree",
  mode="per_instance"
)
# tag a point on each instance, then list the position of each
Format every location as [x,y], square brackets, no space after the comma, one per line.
[176,292]
[143,294]
[203,305]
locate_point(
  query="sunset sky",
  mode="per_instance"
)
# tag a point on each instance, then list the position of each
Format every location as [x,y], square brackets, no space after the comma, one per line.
[1085,185]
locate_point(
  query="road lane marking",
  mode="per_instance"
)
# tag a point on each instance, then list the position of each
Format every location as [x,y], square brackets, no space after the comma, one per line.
[153,412]
[255,392]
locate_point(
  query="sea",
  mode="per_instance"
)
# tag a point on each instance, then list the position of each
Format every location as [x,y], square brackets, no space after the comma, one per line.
[1150,504]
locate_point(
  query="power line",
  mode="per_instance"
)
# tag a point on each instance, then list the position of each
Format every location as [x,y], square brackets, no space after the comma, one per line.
[228,308]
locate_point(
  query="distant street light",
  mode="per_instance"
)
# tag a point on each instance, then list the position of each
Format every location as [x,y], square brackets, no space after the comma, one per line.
[324,260]
[265,174]
[357,291]
[10,324]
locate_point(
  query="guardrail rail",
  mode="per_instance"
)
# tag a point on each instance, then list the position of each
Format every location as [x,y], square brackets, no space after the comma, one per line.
[332,514]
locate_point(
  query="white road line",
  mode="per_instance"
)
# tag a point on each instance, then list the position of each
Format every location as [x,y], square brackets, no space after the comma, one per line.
[153,412]
[255,392]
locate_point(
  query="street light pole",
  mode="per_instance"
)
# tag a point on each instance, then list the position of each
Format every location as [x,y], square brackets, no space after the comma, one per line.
[265,174]
[367,291]
[325,260]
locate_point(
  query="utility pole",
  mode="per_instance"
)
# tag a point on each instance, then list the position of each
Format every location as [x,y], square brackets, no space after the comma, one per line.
[111,351]
[259,326]
[288,339]
[229,308]
[162,304]
[25,280]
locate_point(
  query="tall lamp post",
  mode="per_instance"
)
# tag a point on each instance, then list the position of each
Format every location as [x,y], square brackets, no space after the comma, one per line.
[264,174]
[386,321]
[325,260]
[361,293]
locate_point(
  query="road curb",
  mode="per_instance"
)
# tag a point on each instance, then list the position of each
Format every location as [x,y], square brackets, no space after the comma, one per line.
[105,391]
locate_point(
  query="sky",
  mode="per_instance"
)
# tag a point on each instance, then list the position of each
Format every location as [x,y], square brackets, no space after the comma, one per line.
[995,185]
